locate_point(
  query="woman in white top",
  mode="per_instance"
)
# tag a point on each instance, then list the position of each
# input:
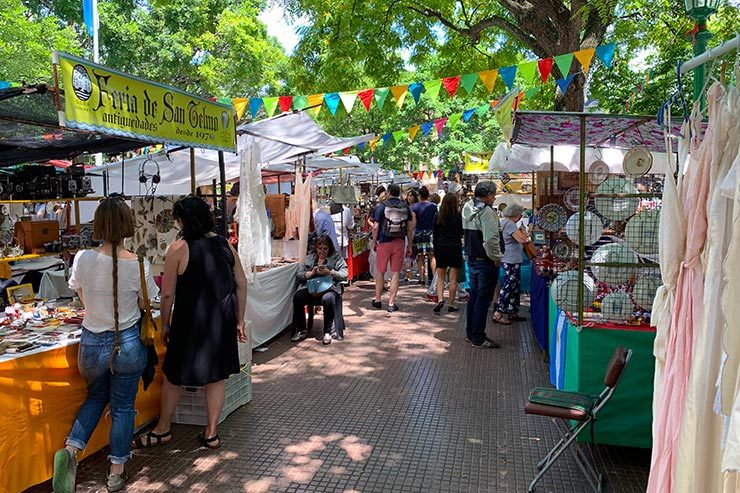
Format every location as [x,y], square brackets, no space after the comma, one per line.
[111,357]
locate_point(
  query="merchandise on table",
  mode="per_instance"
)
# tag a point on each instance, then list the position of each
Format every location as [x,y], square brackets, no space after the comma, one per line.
[29,326]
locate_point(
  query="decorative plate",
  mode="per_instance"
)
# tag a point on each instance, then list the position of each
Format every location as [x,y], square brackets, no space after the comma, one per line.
[637,161]
[613,253]
[562,250]
[592,230]
[641,232]
[644,291]
[598,172]
[564,290]
[572,199]
[552,218]
[616,306]
[616,208]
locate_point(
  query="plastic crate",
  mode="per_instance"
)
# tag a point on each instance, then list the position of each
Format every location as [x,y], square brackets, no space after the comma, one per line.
[191,410]
[245,353]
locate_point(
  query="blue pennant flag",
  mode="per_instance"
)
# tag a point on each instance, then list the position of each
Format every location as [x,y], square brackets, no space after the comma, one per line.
[416,89]
[90,15]
[4,84]
[254,106]
[507,75]
[385,137]
[468,114]
[606,54]
[426,127]
[360,146]
[564,83]
[332,100]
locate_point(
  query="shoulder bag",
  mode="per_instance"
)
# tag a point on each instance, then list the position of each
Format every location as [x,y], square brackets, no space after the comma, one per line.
[148,326]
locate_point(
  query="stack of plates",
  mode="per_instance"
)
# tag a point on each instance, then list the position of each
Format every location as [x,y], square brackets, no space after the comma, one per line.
[617,307]
[593,228]
[644,291]
[616,208]
[642,232]
[564,291]
[613,253]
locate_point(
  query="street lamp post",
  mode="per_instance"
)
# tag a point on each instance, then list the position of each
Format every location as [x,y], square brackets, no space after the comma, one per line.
[700,10]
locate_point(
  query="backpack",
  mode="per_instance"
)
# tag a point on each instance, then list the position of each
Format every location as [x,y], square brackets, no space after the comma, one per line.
[396,220]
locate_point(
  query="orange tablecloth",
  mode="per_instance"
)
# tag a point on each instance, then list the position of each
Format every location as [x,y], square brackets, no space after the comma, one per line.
[40,395]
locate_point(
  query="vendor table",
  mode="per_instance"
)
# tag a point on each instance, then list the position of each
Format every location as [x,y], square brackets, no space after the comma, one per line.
[40,394]
[580,359]
[539,297]
[270,302]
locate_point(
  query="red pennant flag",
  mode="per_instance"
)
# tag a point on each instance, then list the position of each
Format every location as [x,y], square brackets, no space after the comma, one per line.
[285,103]
[415,175]
[545,67]
[346,151]
[439,123]
[451,84]
[366,97]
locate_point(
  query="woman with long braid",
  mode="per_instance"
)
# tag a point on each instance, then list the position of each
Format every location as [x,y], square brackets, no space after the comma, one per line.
[111,357]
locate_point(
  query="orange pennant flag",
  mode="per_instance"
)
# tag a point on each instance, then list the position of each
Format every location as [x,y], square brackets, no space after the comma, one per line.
[240,105]
[495,102]
[488,78]
[399,94]
[374,143]
[584,57]
[413,131]
[315,102]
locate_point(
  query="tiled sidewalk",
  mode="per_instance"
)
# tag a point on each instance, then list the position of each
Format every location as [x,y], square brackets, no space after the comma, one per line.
[402,405]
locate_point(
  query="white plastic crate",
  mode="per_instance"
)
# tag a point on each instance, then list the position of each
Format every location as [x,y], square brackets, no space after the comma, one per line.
[191,410]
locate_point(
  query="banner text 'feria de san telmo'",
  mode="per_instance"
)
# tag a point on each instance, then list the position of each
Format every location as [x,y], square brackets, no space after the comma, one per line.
[104,100]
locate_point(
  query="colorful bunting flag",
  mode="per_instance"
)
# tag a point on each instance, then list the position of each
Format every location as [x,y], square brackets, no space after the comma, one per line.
[564,83]
[518,99]
[451,84]
[564,62]
[416,89]
[488,78]
[271,105]
[381,94]
[432,88]
[254,106]
[398,135]
[481,110]
[584,57]
[605,53]
[300,102]
[507,75]
[545,67]
[348,100]
[226,101]
[504,114]
[366,97]
[399,94]
[315,102]
[531,92]
[285,103]
[385,137]
[4,84]
[467,115]
[360,146]
[413,131]
[240,105]
[426,127]
[439,124]
[527,70]
[374,143]
[468,82]
[332,101]
[454,119]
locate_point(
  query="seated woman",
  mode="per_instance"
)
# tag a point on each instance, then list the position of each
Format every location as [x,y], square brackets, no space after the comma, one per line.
[328,266]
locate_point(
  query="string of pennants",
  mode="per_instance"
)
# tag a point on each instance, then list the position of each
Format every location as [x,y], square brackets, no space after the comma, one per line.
[649,74]
[431,88]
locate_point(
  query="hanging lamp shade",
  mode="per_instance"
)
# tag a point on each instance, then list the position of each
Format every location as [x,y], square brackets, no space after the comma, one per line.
[701,9]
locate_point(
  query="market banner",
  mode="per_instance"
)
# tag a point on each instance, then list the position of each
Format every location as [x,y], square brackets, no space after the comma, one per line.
[104,100]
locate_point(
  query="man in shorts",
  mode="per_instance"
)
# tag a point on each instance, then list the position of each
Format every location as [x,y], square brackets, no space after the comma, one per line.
[424,212]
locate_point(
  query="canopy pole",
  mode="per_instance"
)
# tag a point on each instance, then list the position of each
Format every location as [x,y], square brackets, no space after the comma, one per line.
[581,214]
[222,173]
[279,180]
[552,170]
[192,171]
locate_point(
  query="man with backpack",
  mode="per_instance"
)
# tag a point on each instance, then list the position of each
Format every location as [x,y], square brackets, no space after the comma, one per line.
[482,238]
[393,231]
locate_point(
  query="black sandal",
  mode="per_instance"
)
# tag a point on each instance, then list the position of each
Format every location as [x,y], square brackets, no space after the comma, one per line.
[139,443]
[208,441]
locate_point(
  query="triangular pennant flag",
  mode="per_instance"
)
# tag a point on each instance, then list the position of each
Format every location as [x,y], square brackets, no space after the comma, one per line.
[381,94]
[439,124]
[507,75]
[416,89]
[526,70]
[270,105]
[413,131]
[360,146]
[468,114]
[584,57]
[606,54]
[399,94]
[432,87]
[226,101]
[300,102]
[545,67]
[531,91]
[454,119]
[426,127]
[518,99]
[488,78]
[481,110]
[332,101]
[346,151]
[285,103]
[348,100]
[451,84]
[468,82]
[374,143]
[504,114]
[398,135]
[564,83]
[385,137]
[564,62]
[240,105]
[366,97]
[315,102]
[254,106]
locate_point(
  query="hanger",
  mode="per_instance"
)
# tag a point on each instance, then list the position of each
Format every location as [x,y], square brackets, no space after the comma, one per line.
[676,97]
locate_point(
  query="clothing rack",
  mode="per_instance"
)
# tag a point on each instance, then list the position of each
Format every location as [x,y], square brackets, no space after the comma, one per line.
[709,55]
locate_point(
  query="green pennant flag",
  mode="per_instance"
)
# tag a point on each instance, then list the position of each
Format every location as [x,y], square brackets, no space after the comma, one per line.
[481,110]
[398,135]
[454,120]
[468,81]
[531,91]
[432,88]
[224,101]
[380,94]
[300,102]
[270,105]
[564,62]
[527,70]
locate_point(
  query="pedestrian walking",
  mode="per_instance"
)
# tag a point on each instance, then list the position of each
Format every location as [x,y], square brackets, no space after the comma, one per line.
[447,235]
[425,212]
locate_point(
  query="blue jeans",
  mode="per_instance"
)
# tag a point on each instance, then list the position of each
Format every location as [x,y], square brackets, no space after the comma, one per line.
[483,276]
[103,387]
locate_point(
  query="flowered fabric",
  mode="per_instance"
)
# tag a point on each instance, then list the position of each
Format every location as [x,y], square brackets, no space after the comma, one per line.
[155,226]
[508,298]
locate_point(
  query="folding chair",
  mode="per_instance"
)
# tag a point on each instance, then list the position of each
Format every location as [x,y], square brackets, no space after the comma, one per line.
[581,410]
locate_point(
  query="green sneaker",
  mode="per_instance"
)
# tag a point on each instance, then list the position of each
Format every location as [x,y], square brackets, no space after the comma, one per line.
[116,482]
[65,471]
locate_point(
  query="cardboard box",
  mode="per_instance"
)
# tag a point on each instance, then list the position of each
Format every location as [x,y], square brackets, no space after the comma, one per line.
[33,234]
